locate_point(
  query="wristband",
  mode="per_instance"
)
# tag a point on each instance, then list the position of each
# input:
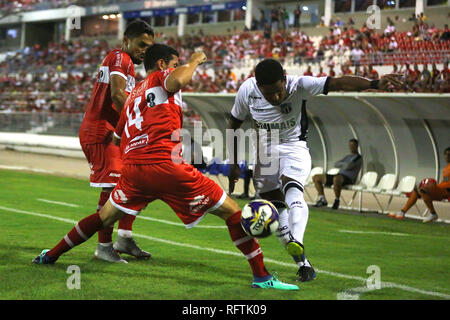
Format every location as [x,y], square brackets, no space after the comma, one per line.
[374,84]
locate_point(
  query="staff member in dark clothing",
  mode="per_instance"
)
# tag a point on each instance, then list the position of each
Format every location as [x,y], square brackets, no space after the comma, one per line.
[349,167]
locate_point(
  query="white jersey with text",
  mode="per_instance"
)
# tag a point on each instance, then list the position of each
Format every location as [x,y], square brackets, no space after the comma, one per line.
[289,118]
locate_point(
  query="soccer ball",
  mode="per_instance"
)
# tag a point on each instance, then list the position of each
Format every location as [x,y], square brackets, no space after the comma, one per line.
[259,218]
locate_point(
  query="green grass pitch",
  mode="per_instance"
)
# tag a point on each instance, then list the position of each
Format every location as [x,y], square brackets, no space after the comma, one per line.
[202,263]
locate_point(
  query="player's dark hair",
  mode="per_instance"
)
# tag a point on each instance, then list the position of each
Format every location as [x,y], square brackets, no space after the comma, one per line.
[268,71]
[447,150]
[137,27]
[158,51]
[354,141]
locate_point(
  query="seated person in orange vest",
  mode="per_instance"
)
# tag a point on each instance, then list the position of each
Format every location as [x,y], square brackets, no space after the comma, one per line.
[429,191]
[349,168]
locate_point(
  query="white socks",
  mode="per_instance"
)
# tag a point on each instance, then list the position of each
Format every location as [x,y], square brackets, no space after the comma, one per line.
[298,213]
[283,231]
[125,233]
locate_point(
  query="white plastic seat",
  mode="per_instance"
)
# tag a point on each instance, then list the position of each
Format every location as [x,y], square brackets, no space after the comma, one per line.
[405,185]
[368,180]
[314,171]
[333,171]
[387,182]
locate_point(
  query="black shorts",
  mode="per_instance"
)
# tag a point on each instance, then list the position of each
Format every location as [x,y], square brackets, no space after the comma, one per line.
[329,181]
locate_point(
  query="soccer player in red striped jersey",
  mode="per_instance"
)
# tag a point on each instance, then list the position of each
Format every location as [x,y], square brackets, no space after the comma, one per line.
[154,169]
[115,80]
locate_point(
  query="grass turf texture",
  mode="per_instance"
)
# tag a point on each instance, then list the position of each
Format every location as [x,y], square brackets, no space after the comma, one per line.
[420,260]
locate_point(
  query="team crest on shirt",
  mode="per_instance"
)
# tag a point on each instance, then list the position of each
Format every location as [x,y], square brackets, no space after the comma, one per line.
[286,108]
[150,100]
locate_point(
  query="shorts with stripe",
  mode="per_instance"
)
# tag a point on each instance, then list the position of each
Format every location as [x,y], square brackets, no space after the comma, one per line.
[185,189]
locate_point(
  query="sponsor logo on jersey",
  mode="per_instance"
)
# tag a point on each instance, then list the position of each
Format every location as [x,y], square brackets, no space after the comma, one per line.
[198,203]
[131,82]
[103,74]
[120,196]
[112,174]
[257,109]
[285,125]
[286,108]
[138,142]
[296,168]
[255,97]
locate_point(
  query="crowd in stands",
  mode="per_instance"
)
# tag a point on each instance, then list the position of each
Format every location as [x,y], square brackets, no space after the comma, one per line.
[60,76]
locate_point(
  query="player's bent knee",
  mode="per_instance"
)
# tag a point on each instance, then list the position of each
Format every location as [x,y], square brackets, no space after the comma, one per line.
[227,209]
[110,214]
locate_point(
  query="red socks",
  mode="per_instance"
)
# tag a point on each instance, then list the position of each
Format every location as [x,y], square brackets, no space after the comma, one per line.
[126,223]
[248,245]
[82,231]
[104,235]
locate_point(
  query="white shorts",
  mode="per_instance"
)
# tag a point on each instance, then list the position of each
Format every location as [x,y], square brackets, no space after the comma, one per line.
[293,161]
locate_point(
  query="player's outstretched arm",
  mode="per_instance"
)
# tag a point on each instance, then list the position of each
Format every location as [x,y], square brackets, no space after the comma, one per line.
[355,83]
[183,74]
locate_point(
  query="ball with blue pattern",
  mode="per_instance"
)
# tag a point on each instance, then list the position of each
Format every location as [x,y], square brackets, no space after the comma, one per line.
[259,218]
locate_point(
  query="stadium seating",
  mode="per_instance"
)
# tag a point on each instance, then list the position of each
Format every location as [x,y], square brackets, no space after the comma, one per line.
[405,185]
[309,181]
[386,184]
[368,180]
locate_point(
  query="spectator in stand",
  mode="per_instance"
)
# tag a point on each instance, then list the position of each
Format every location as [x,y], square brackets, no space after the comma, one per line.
[332,73]
[297,15]
[321,73]
[425,79]
[393,45]
[275,19]
[356,55]
[308,72]
[445,35]
[372,73]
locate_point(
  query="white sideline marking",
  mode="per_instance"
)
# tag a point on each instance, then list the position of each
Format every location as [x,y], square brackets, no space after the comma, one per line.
[26,169]
[60,203]
[375,232]
[238,254]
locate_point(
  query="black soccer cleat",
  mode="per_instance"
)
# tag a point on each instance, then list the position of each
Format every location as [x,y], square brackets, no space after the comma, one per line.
[306,273]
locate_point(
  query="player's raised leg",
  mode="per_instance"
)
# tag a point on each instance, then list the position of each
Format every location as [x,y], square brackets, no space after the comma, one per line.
[82,231]
[249,246]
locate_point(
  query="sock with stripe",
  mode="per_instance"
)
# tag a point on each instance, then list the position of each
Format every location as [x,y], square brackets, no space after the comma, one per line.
[104,235]
[126,226]
[249,246]
[82,231]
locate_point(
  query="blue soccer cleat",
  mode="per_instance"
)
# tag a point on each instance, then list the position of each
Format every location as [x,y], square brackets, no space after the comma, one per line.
[43,258]
[274,283]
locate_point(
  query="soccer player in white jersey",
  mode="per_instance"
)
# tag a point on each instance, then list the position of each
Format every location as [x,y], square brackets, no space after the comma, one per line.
[276,101]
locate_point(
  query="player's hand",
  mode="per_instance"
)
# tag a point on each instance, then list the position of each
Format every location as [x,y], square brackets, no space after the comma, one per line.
[233,177]
[198,57]
[395,79]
